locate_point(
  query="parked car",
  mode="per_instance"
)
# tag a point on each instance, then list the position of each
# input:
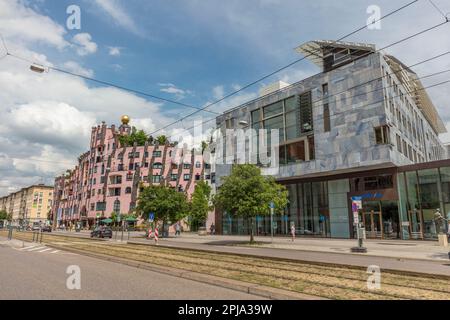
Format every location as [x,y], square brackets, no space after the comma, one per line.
[46,229]
[102,232]
[34,227]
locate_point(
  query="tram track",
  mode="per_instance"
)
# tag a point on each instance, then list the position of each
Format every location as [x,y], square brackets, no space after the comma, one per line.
[330,281]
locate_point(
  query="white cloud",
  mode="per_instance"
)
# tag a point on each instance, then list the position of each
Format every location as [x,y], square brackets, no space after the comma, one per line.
[50,122]
[84,44]
[47,117]
[218,92]
[22,24]
[74,67]
[115,51]
[172,89]
[114,10]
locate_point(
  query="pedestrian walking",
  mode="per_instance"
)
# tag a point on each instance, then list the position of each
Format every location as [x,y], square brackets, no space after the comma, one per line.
[212,229]
[177,229]
[293,232]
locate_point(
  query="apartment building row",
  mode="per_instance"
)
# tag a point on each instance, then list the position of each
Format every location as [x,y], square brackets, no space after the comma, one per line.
[109,177]
[29,205]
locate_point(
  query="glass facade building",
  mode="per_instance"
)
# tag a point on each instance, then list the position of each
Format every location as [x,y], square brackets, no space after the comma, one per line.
[397,203]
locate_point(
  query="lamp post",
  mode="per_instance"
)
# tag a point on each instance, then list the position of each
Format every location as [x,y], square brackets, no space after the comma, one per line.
[272,207]
[356,206]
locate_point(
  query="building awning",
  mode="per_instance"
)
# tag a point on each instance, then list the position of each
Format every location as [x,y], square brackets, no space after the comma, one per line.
[317,50]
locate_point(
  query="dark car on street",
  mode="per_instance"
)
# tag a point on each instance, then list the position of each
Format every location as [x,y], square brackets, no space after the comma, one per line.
[102,232]
[46,229]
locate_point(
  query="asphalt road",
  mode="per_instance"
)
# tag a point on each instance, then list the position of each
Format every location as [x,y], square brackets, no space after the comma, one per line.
[40,273]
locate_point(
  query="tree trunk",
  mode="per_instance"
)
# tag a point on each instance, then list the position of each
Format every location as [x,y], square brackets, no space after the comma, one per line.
[252,239]
[163,229]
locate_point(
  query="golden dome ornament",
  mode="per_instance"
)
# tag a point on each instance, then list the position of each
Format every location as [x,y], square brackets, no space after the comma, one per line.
[125,120]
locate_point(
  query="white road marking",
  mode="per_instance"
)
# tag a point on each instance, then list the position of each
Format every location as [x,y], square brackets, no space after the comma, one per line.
[48,249]
[26,248]
[35,249]
[56,251]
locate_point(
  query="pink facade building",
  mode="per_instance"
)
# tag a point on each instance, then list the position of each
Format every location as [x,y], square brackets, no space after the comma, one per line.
[108,177]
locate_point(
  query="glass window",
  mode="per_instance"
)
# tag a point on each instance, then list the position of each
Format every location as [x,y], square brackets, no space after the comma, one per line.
[429,192]
[429,198]
[256,116]
[445,180]
[292,125]
[291,104]
[326,118]
[157,165]
[273,109]
[295,152]
[275,123]
[306,112]
[116,206]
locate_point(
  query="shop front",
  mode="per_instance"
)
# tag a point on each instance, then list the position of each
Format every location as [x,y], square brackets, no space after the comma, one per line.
[424,194]
[394,203]
[378,212]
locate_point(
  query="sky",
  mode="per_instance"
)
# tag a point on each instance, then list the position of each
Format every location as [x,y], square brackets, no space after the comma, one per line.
[190,51]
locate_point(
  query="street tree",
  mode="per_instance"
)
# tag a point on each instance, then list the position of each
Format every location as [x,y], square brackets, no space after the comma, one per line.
[247,193]
[200,203]
[166,203]
[3,215]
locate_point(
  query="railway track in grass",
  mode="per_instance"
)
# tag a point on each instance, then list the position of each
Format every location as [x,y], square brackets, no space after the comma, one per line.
[328,281]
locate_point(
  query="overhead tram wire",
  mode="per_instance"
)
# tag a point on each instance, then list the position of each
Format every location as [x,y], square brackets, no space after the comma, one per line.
[397,96]
[109,84]
[439,10]
[282,68]
[369,53]
[4,45]
[317,118]
[382,88]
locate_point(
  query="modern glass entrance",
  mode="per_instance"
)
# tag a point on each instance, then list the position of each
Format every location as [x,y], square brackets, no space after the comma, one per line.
[380,219]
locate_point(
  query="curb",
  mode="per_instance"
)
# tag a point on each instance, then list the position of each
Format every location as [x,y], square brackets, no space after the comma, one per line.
[241,286]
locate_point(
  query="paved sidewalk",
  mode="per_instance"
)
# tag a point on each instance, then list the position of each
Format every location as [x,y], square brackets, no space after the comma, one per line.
[422,250]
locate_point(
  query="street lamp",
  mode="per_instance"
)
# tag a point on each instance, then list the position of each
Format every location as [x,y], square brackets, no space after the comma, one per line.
[37,68]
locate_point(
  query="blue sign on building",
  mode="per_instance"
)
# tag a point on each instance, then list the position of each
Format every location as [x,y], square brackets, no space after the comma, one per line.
[367,196]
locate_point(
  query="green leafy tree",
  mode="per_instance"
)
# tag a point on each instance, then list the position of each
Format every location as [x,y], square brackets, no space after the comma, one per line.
[200,203]
[162,140]
[136,136]
[247,194]
[166,203]
[204,146]
[3,215]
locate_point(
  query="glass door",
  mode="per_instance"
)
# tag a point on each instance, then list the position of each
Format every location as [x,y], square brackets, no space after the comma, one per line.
[372,219]
[415,224]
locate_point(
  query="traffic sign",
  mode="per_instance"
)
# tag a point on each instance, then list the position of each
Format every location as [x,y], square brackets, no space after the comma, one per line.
[151,216]
[272,205]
